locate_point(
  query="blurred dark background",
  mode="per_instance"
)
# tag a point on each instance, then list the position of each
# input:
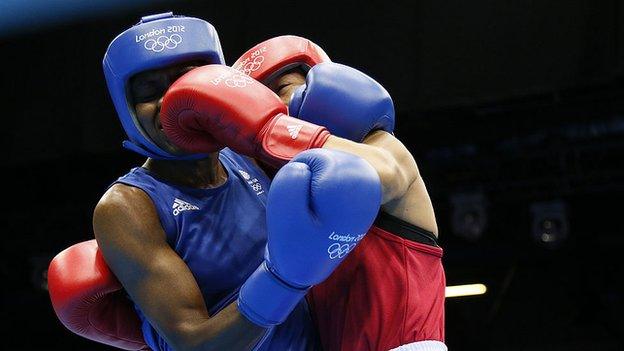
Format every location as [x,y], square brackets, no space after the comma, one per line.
[513,110]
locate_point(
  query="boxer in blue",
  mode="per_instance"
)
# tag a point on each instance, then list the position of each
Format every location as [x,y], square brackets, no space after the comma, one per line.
[194,222]
[185,232]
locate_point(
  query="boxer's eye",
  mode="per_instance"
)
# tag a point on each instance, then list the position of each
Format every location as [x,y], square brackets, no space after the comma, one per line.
[146,95]
[281,87]
[148,90]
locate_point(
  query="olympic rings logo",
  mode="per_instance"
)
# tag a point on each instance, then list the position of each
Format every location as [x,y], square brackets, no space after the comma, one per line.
[252,66]
[238,81]
[337,250]
[163,42]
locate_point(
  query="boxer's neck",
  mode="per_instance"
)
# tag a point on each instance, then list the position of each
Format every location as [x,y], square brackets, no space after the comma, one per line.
[203,174]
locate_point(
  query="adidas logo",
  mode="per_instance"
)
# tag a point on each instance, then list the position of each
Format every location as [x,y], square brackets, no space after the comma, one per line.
[180,205]
[294,131]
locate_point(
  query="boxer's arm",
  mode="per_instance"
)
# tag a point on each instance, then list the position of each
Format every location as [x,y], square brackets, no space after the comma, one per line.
[385,154]
[414,207]
[134,245]
[404,193]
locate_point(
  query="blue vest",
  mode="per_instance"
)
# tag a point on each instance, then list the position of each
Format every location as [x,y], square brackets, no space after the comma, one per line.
[221,233]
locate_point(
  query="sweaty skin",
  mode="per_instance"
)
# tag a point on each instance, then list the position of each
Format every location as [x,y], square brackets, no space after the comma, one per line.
[404,193]
[133,242]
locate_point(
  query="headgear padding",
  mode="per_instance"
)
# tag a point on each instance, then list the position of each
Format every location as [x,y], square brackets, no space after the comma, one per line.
[272,57]
[155,42]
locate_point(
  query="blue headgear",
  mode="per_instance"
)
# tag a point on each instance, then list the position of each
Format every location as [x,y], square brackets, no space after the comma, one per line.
[156,41]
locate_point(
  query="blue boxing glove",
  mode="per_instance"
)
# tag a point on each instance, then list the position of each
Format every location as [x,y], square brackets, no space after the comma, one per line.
[346,101]
[320,205]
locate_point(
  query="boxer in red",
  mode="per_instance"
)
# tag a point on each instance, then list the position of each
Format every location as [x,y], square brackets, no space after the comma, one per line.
[389,293]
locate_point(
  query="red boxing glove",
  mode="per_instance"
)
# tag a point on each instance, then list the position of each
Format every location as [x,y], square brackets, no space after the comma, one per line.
[216,104]
[90,301]
[270,58]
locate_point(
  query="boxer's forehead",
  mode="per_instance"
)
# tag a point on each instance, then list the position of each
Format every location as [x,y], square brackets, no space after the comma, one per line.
[148,85]
[168,71]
